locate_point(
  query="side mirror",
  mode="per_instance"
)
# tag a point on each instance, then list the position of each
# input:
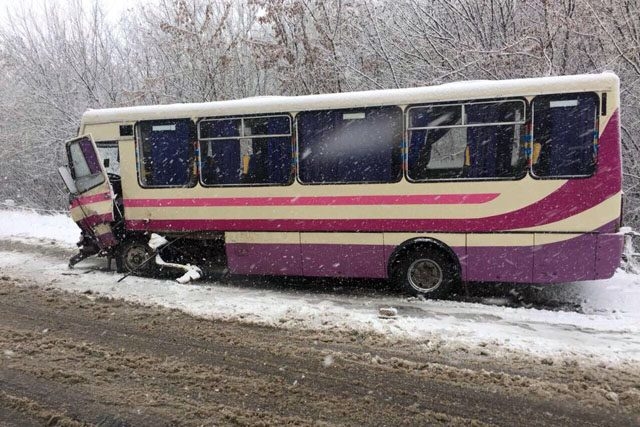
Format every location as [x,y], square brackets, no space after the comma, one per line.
[65,174]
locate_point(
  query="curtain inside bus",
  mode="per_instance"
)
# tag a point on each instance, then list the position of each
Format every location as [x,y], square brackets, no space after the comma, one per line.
[254,158]
[490,147]
[167,152]
[358,145]
[565,128]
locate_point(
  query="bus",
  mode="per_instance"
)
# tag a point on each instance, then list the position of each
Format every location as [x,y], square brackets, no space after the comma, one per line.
[478,181]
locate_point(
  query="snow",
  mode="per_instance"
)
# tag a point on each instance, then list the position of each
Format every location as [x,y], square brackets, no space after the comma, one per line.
[16,224]
[607,328]
[155,241]
[278,104]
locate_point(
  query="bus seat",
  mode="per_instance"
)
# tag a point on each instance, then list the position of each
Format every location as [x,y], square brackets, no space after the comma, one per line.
[535,155]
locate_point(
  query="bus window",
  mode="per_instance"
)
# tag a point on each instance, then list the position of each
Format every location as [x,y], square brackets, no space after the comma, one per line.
[219,129]
[350,146]
[437,142]
[565,135]
[166,153]
[480,140]
[110,156]
[495,143]
[246,150]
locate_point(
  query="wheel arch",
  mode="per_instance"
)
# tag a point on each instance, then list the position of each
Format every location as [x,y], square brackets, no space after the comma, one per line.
[417,243]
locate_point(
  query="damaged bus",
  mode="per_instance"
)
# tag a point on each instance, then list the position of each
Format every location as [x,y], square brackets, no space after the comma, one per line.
[482,181]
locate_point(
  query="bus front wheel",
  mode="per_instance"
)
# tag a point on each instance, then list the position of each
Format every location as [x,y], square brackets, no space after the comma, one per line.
[427,272]
[133,257]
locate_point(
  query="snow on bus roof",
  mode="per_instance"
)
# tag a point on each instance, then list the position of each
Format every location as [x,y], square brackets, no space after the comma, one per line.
[475,89]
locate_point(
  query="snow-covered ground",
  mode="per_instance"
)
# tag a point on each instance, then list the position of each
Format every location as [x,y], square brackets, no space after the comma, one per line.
[606,328]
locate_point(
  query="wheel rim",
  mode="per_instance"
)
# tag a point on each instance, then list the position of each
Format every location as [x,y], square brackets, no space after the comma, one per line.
[425,275]
[135,256]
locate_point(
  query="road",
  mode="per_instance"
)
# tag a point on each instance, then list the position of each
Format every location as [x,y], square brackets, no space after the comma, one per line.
[70,359]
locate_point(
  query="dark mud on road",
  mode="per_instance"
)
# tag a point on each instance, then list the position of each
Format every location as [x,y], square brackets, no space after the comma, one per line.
[73,359]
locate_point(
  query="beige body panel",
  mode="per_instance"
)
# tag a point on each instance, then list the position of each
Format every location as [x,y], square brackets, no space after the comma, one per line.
[512,195]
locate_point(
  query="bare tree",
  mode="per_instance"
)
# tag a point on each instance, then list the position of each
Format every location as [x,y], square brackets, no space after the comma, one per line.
[55,70]
[56,64]
[191,51]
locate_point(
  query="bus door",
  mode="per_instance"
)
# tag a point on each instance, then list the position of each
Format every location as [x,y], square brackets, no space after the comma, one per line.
[92,198]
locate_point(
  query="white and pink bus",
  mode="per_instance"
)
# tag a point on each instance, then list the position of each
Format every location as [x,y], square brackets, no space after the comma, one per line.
[515,180]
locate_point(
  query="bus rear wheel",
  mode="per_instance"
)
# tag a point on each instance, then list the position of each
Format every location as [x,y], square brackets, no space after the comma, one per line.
[427,272]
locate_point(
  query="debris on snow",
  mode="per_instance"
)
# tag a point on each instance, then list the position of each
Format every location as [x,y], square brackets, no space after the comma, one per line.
[612,396]
[156,240]
[191,272]
[387,312]
[327,361]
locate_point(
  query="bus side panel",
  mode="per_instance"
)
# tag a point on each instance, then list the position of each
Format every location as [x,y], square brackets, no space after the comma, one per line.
[610,246]
[263,253]
[343,255]
[457,242]
[500,257]
[564,257]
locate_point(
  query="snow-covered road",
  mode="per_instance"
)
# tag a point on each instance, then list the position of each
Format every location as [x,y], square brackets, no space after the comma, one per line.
[606,326]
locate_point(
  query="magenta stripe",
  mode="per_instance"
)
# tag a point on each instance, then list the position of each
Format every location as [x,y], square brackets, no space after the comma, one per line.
[93,220]
[569,260]
[608,254]
[85,200]
[415,199]
[107,240]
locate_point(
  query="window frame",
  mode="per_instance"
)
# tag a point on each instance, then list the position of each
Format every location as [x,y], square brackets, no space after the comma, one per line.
[596,130]
[525,120]
[193,177]
[347,110]
[290,135]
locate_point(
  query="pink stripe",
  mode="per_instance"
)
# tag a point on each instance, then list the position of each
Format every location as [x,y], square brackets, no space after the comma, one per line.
[417,199]
[85,200]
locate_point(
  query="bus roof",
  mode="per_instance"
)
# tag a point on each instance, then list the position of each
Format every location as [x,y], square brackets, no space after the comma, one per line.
[477,89]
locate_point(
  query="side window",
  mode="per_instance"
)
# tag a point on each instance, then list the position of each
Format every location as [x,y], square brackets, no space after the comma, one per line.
[480,140]
[564,135]
[350,146]
[437,142]
[245,150]
[110,156]
[166,153]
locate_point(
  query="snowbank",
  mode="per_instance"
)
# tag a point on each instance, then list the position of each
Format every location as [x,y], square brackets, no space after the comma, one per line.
[27,224]
[607,326]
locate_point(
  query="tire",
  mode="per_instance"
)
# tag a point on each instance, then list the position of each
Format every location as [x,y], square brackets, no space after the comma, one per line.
[427,271]
[132,256]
